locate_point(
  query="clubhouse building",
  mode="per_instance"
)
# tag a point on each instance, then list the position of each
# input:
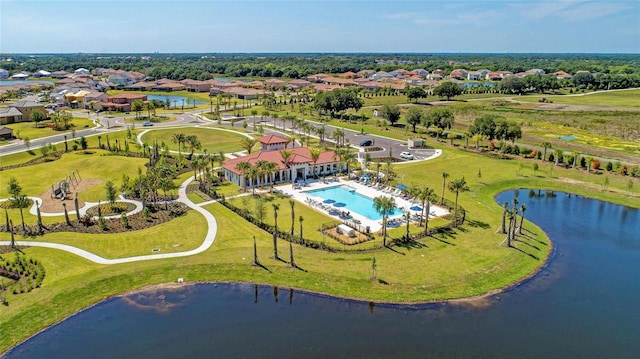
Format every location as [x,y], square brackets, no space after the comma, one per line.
[299,166]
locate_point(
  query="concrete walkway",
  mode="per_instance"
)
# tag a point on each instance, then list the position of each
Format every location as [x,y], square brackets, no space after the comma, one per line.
[182,197]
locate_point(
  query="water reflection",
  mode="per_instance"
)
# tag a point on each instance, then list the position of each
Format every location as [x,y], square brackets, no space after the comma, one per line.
[160,299]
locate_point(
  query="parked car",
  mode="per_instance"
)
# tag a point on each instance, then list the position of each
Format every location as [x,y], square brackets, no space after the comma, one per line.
[365,143]
[406,155]
[147,123]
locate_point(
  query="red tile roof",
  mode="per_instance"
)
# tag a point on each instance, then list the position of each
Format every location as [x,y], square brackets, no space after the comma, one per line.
[299,155]
[271,140]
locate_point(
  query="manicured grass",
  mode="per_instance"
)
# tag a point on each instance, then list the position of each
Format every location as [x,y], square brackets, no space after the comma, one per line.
[178,235]
[93,165]
[212,139]
[625,98]
[28,129]
[18,158]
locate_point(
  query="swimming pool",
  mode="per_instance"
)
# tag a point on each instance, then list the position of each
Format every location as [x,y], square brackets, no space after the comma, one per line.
[355,202]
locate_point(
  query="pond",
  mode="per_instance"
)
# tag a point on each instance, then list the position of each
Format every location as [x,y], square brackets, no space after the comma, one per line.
[20,82]
[176,101]
[583,304]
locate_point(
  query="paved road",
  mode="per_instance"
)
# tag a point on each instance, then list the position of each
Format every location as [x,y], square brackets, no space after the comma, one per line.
[182,197]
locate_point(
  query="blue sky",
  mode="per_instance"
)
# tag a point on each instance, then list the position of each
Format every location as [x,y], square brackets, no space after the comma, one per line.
[320,26]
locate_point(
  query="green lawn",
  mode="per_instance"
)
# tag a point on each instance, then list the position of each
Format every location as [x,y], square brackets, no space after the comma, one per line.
[625,98]
[181,234]
[212,139]
[93,165]
[28,129]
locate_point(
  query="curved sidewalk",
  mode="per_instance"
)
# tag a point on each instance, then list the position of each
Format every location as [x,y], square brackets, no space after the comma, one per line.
[182,197]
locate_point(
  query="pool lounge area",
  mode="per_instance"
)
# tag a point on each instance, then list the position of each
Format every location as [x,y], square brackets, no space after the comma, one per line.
[352,201]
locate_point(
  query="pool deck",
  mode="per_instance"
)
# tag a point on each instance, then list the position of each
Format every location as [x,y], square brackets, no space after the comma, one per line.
[300,193]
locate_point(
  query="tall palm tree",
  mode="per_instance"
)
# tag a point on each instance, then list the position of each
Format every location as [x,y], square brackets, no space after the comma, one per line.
[315,155]
[522,209]
[292,203]
[545,146]
[244,167]
[349,158]
[286,159]
[247,144]
[457,186]
[20,201]
[253,173]
[266,169]
[505,209]
[301,219]
[193,143]
[384,205]
[178,138]
[276,207]
[444,183]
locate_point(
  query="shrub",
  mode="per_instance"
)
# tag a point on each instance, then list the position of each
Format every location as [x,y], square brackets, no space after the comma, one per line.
[102,223]
[623,170]
[551,157]
[609,166]
[595,165]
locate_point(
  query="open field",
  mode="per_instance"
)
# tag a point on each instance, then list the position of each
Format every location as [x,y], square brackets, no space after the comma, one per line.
[212,139]
[28,130]
[624,98]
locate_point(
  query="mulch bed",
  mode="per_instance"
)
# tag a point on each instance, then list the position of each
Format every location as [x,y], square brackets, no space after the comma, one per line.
[157,215]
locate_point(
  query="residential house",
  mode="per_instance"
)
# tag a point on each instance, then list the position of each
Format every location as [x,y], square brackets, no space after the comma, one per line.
[562,75]
[41,73]
[59,74]
[21,75]
[274,83]
[348,75]
[9,115]
[317,77]
[6,132]
[535,72]
[299,167]
[365,73]
[196,85]
[75,99]
[124,78]
[27,107]
[298,84]
[121,102]
[380,75]
[81,71]
[458,74]
[493,76]
[169,86]
[244,93]
[421,72]
[92,99]
[398,73]
[338,81]
[4,74]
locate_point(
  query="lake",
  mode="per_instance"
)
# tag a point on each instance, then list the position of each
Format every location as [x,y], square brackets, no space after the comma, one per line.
[583,304]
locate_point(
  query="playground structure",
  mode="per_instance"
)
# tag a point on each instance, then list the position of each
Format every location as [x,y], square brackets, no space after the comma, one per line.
[65,185]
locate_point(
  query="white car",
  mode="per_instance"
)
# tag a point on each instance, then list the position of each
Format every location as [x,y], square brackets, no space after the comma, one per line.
[406,155]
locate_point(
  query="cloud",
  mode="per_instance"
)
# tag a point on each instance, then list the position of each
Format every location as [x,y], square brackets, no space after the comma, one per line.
[452,17]
[570,10]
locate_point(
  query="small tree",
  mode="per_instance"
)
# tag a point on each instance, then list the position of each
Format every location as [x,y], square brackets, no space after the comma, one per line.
[111,192]
[83,144]
[37,116]
[447,89]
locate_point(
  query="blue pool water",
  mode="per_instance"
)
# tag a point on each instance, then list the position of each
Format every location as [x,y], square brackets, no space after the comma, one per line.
[178,99]
[355,202]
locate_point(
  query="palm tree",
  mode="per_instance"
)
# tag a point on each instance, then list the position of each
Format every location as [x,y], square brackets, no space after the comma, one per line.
[247,144]
[292,203]
[477,138]
[193,143]
[457,186]
[179,138]
[425,195]
[244,167]
[301,219]
[286,158]
[276,207]
[558,155]
[522,209]
[20,201]
[349,158]
[545,146]
[266,168]
[253,173]
[505,209]
[315,155]
[384,205]
[444,183]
